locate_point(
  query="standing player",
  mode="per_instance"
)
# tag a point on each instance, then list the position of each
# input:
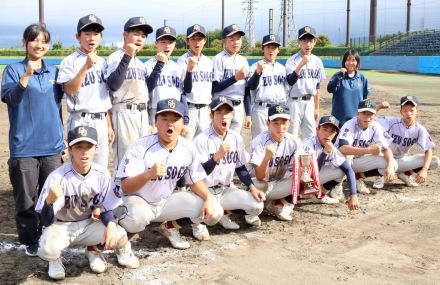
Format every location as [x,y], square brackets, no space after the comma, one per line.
[33,99]
[267,84]
[149,172]
[202,75]
[406,132]
[126,78]
[82,76]
[230,72]
[332,164]
[364,139]
[70,194]
[223,153]
[305,72]
[165,77]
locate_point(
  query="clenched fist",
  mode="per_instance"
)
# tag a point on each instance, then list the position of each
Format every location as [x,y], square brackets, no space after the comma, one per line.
[131,49]
[162,57]
[92,58]
[306,58]
[55,192]
[192,63]
[241,73]
[31,67]
[223,149]
[270,151]
[328,147]
[374,149]
[260,67]
[159,169]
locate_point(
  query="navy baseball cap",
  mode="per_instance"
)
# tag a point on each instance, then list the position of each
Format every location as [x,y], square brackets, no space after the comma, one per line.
[82,133]
[329,120]
[89,20]
[138,22]
[220,101]
[307,30]
[278,111]
[230,30]
[194,29]
[406,99]
[170,105]
[271,39]
[166,31]
[367,105]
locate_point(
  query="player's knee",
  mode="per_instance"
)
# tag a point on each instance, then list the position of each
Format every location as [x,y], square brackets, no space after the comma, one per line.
[260,185]
[48,250]
[216,215]
[255,209]
[434,162]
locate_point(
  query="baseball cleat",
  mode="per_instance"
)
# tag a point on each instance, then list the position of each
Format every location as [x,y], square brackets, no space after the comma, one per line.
[228,224]
[56,269]
[328,200]
[379,183]
[253,220]
[31,250]
[173,235]
[200,232]
[361,187]
[282,212]
[96,261]
[337,192]
[407,179]
[126,256]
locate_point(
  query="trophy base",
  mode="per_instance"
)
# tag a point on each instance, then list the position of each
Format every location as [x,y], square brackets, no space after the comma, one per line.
[308,188]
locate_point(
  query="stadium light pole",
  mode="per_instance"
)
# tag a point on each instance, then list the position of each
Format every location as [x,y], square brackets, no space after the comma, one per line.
[408,16]
[41,11]
[347,35]
[373,20]
[223,14]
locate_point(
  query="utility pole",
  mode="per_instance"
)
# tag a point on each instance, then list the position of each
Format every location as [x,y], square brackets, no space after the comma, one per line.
[223,14]
[284,23]
[373,20]
[41,11]
[347,35]
[270,20]
[408,16]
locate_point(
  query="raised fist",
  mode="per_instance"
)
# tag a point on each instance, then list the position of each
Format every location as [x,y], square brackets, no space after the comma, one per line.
[131,49]
[241,73]
[55,192]
[160,56]
[158,169]
[92,58]
[375,149]
[260,67]
[270,151]
[192,62]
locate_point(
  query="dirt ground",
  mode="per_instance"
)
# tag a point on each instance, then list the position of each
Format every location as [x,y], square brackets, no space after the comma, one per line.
[392,239]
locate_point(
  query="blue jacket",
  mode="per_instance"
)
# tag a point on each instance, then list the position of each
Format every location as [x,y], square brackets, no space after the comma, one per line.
[347,93]
[35,122]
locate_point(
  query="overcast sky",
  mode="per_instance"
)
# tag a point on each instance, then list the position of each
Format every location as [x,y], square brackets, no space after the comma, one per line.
[327,16]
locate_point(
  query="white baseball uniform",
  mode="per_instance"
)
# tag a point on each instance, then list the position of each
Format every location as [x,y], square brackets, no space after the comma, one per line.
[89,106]
[403,139]
[155,201]
[278,181]
[129,113]
[200,96]
[226,66]
[168,85]
[302,111]
[219,180]
[73,223]
[272,89]
[352,134]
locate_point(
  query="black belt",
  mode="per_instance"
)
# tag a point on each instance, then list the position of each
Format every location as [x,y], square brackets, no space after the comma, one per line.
[305,97]
[236,102]
[139,107]
[197,106]
[94,116]
[268,105]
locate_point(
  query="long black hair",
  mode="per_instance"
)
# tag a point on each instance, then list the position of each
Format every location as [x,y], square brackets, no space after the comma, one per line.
[32,31]
[354,53]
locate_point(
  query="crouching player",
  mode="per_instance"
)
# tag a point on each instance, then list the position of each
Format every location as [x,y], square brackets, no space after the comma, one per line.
[332,164]
[149,173]
[405,132]
[66,202]
[222,153]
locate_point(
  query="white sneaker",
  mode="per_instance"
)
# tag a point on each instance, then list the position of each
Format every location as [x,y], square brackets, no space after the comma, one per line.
[379,183]
[337,192]
[126,256]
[56,269]
[282,212]
[173,235]
[361,187]
[407,179]
[96,261]
[200,232]
[328,200]
[228,224]
[253,220]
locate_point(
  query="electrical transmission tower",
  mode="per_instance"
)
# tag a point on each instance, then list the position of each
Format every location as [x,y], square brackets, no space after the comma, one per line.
[249,7]
[290,23]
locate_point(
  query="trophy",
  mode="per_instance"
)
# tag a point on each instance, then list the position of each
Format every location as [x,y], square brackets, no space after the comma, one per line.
[307,182]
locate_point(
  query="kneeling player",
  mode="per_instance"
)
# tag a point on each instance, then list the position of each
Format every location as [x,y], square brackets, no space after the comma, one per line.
[149,173]
[223,153]
[66,202]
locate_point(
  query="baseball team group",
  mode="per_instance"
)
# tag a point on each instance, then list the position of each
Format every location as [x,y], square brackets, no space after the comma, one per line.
[175,132]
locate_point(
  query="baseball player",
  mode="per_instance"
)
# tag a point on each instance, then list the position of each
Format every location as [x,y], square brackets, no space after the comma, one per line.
[126,79]
[332,164]
[364,139]
[305,72]
[201,71]
[82,76]
[223,153]
[149,172]
[70,194]
[165,77]
[230,72]
[406,132]
[267,84]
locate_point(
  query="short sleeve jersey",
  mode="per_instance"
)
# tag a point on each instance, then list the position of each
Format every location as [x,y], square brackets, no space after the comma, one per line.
[312,145]
[272,87]
[181,161]
[81,192]
[93,95]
